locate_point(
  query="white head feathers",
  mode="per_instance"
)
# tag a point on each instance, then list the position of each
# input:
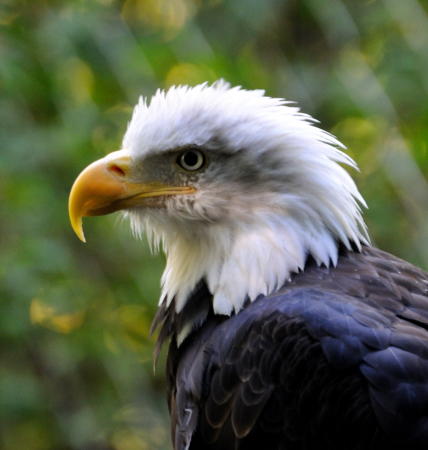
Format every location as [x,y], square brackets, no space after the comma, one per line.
[273,192]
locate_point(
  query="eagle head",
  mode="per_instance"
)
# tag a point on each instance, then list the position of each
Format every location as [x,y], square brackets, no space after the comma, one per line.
[237,187]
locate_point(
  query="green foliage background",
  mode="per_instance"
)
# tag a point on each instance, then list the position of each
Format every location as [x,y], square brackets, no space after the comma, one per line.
[76,355]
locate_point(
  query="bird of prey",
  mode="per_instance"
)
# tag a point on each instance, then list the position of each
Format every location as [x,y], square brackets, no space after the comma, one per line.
[287,329]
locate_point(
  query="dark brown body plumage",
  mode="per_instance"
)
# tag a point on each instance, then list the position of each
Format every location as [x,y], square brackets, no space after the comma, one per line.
[337,359]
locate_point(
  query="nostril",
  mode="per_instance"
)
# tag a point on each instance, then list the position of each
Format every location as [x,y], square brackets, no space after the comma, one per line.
[117,170]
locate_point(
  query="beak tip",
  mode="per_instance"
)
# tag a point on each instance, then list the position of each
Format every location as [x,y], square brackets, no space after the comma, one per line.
[80,234]
[77,226]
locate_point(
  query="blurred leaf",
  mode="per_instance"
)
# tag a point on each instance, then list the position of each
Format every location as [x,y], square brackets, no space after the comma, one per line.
[45,315]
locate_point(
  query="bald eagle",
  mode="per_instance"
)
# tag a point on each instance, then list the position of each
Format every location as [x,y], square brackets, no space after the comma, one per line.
[286,328]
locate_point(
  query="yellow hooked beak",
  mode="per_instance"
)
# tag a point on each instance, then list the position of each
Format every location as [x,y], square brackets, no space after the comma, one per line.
[104,187]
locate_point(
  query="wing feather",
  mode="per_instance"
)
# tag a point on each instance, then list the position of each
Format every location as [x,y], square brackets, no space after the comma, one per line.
[338,358]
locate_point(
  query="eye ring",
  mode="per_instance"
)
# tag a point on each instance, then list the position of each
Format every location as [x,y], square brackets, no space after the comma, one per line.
[191,160]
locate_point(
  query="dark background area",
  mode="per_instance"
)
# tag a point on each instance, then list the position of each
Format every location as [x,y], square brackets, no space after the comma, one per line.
[76,367]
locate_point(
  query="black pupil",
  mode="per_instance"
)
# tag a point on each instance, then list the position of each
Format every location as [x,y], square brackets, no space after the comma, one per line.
[190,159]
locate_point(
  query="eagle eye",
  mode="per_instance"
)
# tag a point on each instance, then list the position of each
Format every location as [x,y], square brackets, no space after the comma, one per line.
[191,159]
